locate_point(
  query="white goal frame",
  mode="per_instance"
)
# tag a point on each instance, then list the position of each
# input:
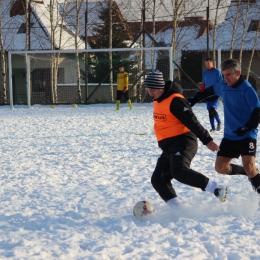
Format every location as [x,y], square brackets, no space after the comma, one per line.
[27,61]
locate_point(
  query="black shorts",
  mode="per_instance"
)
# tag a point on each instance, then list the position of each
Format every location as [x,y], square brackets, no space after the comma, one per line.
[119,94]
[233,149]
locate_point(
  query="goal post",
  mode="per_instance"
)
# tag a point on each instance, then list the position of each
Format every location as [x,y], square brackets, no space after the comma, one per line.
[82,76]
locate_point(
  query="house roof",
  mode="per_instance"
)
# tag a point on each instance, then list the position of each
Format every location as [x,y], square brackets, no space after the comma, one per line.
[132,10]
[64,36]
[224,30]
[18,8]
[13,19]
[189,28]
[162,26]
[93,10]
[129,11]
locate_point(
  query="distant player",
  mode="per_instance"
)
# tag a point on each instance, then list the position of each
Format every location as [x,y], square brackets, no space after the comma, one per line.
[212,76]
[122,88]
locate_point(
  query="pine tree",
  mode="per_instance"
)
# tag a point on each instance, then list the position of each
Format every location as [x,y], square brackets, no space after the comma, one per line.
[119,30]
[100,62]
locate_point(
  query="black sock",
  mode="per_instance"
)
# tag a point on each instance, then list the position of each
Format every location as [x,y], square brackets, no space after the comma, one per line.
[255,181]
[236,170]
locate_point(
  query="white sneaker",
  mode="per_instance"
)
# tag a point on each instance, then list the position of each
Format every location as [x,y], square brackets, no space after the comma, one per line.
[221,193]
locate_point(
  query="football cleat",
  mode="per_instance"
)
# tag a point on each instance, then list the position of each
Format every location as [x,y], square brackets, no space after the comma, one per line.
[221,193]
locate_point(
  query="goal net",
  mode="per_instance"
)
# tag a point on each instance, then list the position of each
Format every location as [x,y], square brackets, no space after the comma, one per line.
[82,76]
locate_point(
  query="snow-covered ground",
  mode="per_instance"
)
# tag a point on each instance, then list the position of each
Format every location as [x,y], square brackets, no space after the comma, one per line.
[70,178]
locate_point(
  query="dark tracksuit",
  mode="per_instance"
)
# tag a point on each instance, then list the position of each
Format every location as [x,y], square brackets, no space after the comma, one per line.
[178,151]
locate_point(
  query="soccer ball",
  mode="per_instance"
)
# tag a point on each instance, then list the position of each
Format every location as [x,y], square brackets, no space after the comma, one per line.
[143,209]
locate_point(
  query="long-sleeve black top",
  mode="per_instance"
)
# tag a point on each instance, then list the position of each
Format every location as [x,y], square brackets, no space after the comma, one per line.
[182,110]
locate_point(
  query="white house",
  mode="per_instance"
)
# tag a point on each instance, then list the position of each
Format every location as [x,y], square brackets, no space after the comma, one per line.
[246,38]
[42,27]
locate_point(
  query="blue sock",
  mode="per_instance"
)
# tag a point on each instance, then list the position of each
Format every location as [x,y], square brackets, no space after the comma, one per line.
[217,118]
[211,120]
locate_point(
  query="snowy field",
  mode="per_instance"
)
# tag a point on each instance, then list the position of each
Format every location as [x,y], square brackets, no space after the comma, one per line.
[71,176]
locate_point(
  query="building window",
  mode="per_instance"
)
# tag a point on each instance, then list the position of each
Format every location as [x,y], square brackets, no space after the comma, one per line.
[254,25]
[22,28]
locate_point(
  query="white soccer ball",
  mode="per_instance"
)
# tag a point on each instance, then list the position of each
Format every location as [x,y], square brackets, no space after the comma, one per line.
[143,209]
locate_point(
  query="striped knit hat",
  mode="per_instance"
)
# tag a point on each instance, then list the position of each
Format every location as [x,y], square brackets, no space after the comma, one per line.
[154,80]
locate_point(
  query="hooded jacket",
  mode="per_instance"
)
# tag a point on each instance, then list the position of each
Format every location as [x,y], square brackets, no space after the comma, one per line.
[181,109]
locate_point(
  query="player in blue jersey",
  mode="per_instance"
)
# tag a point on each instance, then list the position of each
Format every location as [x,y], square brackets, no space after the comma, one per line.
[212,76]
[241,116]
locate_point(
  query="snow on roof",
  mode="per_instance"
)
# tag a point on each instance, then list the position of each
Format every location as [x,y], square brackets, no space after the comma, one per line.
[132,9]
[64,36]
[14,37]
[184,36]
[10,27]
[93,10]
[225,30]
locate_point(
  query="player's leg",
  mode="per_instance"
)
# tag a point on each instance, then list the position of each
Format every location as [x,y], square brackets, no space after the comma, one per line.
[211,111]
[126,96]
[222,165]
[227,151]
[118,98]
[249,165]
[248,152]
[181,171]
[213,115]
[218,120]
[161,179]
[214,104]
[211,120]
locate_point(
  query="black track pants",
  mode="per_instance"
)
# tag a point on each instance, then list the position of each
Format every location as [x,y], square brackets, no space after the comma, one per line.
[175,164]
[212,112]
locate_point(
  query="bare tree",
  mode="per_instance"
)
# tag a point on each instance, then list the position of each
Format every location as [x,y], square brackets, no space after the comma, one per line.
[244,32]
[3,66]
[78,6]
[177,4]
[215,30]
[110,47]
[61,36]
[234,29]
[54,57]
[253,50]
[154,28]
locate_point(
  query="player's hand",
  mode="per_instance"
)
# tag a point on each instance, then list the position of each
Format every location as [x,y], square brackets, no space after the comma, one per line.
[192,101]
[242,130]
[195,99]
[213,146]
[124,90]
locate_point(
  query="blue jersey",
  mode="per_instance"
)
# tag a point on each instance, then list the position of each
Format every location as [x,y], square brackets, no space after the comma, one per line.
[238,102]
[211,77]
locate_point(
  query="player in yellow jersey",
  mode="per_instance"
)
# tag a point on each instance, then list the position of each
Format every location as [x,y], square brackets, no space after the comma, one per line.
[122,87]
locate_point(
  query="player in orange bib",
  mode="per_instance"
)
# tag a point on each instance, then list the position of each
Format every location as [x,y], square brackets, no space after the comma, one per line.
[177,129]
